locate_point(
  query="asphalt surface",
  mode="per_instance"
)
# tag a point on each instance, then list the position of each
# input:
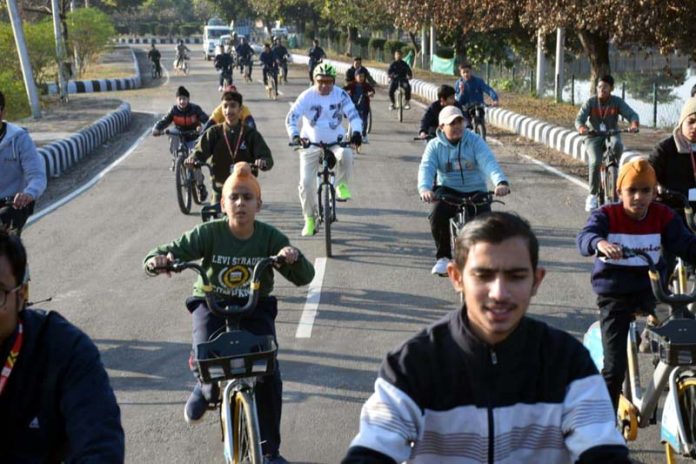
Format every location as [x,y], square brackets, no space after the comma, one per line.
[376,292]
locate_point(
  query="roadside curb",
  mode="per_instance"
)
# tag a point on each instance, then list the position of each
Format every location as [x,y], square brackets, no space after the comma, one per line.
[559,138]
[59,156]
[103,85]
[158,40]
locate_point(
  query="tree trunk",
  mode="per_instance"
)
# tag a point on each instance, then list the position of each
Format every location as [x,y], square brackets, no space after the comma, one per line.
[597,50]
[352,35]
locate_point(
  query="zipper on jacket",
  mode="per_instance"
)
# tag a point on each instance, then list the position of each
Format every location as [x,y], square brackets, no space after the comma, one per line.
[494,358]
[491,437]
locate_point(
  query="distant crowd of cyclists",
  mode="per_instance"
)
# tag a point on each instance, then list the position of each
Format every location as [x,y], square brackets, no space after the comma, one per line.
[427,386]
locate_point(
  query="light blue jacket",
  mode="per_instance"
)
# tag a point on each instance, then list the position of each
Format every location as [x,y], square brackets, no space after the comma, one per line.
[21,167]
[471,161]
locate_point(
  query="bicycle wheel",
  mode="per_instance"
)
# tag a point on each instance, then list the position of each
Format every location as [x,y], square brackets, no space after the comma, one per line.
[602,183]
[400,105]
[274,86]
[481,130]
[326,211]
[686,393]
[193,187]
[245,427]
[369,122]
[610,177]
[154,72]
[183,188]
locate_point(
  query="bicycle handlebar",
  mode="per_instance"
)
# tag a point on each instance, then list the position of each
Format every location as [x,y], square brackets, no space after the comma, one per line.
[688,210]
[660,293]
[231,310]
[304,143]
[478,199]
[180,133]
[608,133]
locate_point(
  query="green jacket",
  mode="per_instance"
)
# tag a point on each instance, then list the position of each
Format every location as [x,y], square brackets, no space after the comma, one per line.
[229,261]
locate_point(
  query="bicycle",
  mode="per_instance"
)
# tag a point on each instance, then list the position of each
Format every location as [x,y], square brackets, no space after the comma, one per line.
[463,204]
[234,359]
[184,177]
[271,75]
[679,278]
[246,65]
[226,74]
[283,71]
[156,70]
[673,345]
[476,112]
[326,191]
[399,96]
[609,167]
[181,64]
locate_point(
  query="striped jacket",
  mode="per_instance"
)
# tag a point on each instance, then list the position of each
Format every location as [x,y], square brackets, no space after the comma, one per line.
[446,397]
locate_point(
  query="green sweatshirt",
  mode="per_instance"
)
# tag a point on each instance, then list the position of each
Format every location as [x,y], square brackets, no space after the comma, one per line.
[608,113]
[249,149]
[229,261]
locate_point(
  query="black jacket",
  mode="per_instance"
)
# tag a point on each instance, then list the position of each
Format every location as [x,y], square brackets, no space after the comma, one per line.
[399,70]
[223,61]
[430,120]
[673,169]
[350,75]
[186,119]
[58,404]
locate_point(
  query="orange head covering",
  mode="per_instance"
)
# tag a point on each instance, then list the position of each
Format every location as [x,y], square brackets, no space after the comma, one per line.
[241,176]
[638,170]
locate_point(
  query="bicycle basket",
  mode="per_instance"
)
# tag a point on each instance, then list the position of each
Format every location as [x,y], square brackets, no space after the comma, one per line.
[677,342]
[234,355]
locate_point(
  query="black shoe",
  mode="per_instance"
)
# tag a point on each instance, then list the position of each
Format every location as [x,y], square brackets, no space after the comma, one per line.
[196,405]
[274,459]
[202,193]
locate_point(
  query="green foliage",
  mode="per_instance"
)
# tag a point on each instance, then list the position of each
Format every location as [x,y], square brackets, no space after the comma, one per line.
[445,52]
[390,46]
[90,32]
[41,47]
[376,43]
[16,102]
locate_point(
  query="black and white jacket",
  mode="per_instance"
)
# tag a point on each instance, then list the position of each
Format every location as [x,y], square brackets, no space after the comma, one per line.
[444,396]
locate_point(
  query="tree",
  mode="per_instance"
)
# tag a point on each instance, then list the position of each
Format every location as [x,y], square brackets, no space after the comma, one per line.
[91,31]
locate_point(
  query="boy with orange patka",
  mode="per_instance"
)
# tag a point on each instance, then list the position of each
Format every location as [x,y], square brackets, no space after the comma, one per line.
[621,284]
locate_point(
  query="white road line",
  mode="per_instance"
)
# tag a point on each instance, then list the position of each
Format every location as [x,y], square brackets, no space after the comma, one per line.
[304,328]
[74,194]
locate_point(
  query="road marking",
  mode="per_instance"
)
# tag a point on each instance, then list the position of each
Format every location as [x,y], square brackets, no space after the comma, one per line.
[309,313]
[74,194]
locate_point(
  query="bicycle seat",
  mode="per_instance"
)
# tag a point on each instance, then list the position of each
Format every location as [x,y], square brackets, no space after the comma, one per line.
[235,354]
[677,341]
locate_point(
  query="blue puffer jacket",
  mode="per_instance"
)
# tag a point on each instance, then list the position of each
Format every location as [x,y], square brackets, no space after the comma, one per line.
[463,167]
[58,405]
[21,167]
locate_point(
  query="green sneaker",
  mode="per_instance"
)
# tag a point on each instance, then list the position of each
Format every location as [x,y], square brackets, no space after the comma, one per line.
[309,227]
[342,192]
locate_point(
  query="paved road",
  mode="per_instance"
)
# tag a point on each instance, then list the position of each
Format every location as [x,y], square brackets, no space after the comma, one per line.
[376,291]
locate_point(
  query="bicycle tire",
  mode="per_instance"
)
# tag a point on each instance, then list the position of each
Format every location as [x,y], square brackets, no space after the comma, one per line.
[400,104]
[274,87]
[686,393]
[369,122]
[610,178]
[183,189]
[326,211]
[191,181]
[601,199]
[153,72]
[246,438]
[481,130]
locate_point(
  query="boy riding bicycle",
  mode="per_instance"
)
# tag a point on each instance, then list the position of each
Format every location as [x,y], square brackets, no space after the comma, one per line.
[601,114]
[270,67]
[360,93]
[229,249]
[399,73]
[621,284]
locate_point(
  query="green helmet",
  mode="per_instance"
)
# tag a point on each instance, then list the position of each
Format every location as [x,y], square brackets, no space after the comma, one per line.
[325,69]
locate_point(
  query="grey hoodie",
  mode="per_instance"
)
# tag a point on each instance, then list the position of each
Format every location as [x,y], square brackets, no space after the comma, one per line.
[21,167]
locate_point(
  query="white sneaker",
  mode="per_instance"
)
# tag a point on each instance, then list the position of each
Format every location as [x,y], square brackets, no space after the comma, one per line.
[591,203]
[440,267]
[392,107]
[364,139]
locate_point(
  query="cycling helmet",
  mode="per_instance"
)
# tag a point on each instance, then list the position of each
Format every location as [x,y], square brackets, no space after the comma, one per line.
[325,69]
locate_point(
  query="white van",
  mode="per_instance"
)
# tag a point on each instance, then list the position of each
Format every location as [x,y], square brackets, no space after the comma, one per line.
[212,32]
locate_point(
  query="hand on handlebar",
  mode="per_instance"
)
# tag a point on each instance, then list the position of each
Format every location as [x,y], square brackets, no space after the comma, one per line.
[159,264]
[428,196]
[21,200]
[634,129]
[190,162]
[501,190]
[356,139]
[423,135]
[289,254]
[610,250]
[156,132]
[582,130]
[261,164]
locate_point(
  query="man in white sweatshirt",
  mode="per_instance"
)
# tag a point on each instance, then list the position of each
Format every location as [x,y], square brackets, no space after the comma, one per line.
[22,174]
[322,108]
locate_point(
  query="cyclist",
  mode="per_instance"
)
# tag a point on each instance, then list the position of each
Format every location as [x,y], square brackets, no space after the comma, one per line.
[469,89]
[322,108]
[486,383]
[357,67]
[56,403]
[245,55]
[155,56]
[181,55]
[186,116]
[429,123]
[674,157]
[224,63]
[601,114]
[399,73]
[23,174]
[218,116]
[360,93]
[281,55]
[462,161]
[270,66]
[316,55]
[229,143]
[621,284]
[229,249]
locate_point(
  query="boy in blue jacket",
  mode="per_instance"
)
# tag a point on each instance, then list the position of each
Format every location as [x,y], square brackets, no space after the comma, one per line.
[621,284]
[461,161]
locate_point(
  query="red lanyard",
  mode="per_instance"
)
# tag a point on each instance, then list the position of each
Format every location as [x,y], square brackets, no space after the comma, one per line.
[11,358]
[602,114]
[233,155]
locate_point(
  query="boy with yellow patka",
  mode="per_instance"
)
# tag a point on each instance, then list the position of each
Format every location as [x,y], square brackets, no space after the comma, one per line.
[622,284]
[229,249]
